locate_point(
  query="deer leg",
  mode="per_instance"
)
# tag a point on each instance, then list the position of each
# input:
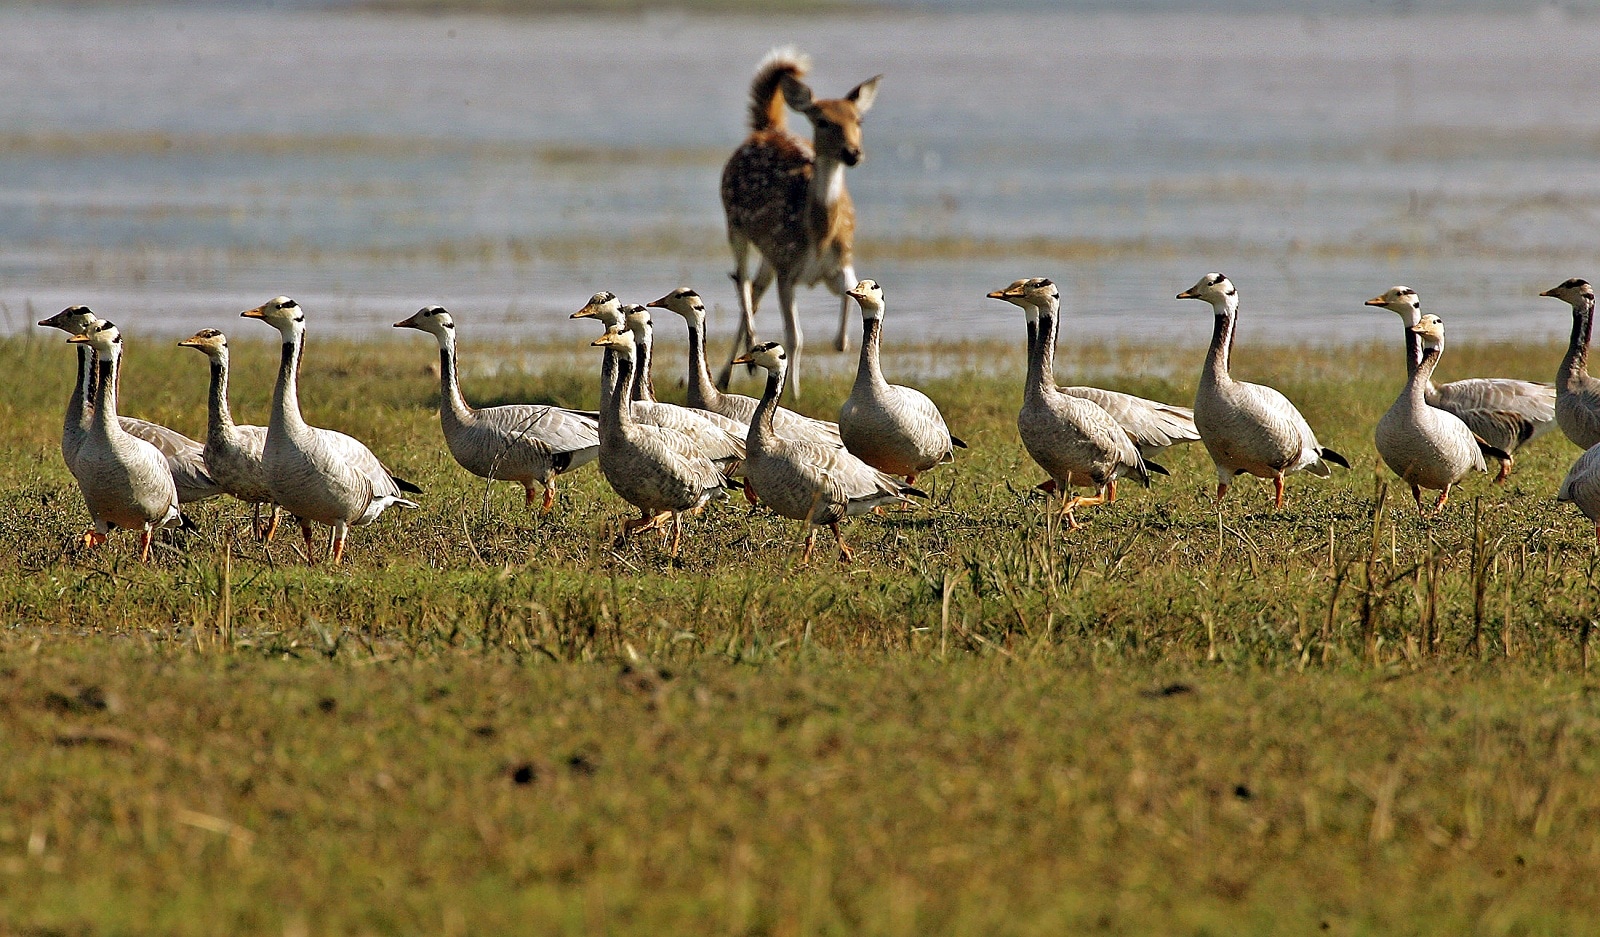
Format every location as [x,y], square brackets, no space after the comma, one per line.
[746,336]
[845,280]
[793,337]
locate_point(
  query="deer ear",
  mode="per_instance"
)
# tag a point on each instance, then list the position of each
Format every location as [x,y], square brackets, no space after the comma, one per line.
[863,94]
[796,93]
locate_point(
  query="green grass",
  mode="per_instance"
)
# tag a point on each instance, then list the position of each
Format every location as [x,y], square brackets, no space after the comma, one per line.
[1332,718]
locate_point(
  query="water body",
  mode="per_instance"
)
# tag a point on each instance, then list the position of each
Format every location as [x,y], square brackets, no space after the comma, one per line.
[171,165]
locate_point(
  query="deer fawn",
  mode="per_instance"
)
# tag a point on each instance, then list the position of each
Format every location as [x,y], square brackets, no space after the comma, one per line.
[788,199]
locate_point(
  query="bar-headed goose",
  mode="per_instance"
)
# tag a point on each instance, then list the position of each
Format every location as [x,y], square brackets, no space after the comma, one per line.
[890,427]
[529,444]
[233,451]
[1248,427]
[318,475]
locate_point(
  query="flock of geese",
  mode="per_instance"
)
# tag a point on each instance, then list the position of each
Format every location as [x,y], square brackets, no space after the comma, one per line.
[668,460]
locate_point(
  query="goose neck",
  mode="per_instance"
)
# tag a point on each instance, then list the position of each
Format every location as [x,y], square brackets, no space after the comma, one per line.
[105,403]
[644,387]
[286,392]
[452,406]
[1421,377]
[1222,328]
[77,412]
[1042,364]
[703,391]
[761,423]
[616,410]
[868,368]
[219,420]
[1576,362]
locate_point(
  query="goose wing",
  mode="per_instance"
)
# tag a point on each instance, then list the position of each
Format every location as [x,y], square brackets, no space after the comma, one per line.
[354,454]
[185,458]
[1151,425]
[858,484]
[555,428]
[1505,412]
[1278,419]
[717,437]
[1582,484]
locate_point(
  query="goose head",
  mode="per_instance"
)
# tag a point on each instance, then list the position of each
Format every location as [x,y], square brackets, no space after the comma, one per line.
[280,312]
[769,355]
[618,340]
[869,295]
[604,306]
[1040,293]
[1013,295]
[1430,328]
[685,302]
[1213,288]
[1402,300]
[1575,292]
[73,320]
[100,335]
[212,343]
[637,319]
[431,319]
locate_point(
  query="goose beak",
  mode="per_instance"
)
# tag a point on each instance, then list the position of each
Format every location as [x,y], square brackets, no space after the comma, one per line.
[610,338]
[744,359]
[998,294]
[78,340]
[587,312]
[410,322]
[1187,294]
[659,303]
[1549,292]
[257,313]
[1375,301]
[189,343]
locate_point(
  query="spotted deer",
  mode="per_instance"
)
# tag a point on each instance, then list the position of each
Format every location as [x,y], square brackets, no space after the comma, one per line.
[787,198]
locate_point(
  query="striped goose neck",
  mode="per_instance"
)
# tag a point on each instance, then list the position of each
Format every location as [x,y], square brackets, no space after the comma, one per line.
[1042,362]
[616,410]
[105,394]
[77,418]
[219,420]
[1576,362]
[703,392]
[1221,348]
[644,387]
[761,422]
[868,369]
[452,406]
[286,392]
[1421,375]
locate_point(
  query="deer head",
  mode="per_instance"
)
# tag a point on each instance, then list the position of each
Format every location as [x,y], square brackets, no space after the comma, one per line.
[835,122]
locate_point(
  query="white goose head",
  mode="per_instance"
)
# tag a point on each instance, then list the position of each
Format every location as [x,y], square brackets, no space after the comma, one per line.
[102,336]
[1402,300]
[73,320]
[769,355]
[1574,292]
[1040,292]
[211,342]
[637,319]
[618,340]
[1430,328]
[685,302]
[434,320]
[282,313]
[869,295]
[604,306]
[1213,288]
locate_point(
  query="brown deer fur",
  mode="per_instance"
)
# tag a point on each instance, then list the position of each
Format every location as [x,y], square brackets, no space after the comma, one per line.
[787,198]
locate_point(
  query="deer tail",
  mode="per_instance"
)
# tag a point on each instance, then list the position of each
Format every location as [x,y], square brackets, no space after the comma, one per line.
[767,109]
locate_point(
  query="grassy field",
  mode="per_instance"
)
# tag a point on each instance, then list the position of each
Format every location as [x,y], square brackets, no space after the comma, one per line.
[1334,718]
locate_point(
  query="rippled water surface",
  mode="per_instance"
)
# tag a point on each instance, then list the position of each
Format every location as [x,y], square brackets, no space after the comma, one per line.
[170,166]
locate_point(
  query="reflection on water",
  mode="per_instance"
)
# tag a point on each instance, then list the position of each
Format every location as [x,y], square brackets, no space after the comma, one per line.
[171,166]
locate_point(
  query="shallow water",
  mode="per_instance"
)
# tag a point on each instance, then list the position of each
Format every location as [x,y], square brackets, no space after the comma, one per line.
[170,166]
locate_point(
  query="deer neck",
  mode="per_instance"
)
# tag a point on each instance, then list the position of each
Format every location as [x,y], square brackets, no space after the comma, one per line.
[826,193]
